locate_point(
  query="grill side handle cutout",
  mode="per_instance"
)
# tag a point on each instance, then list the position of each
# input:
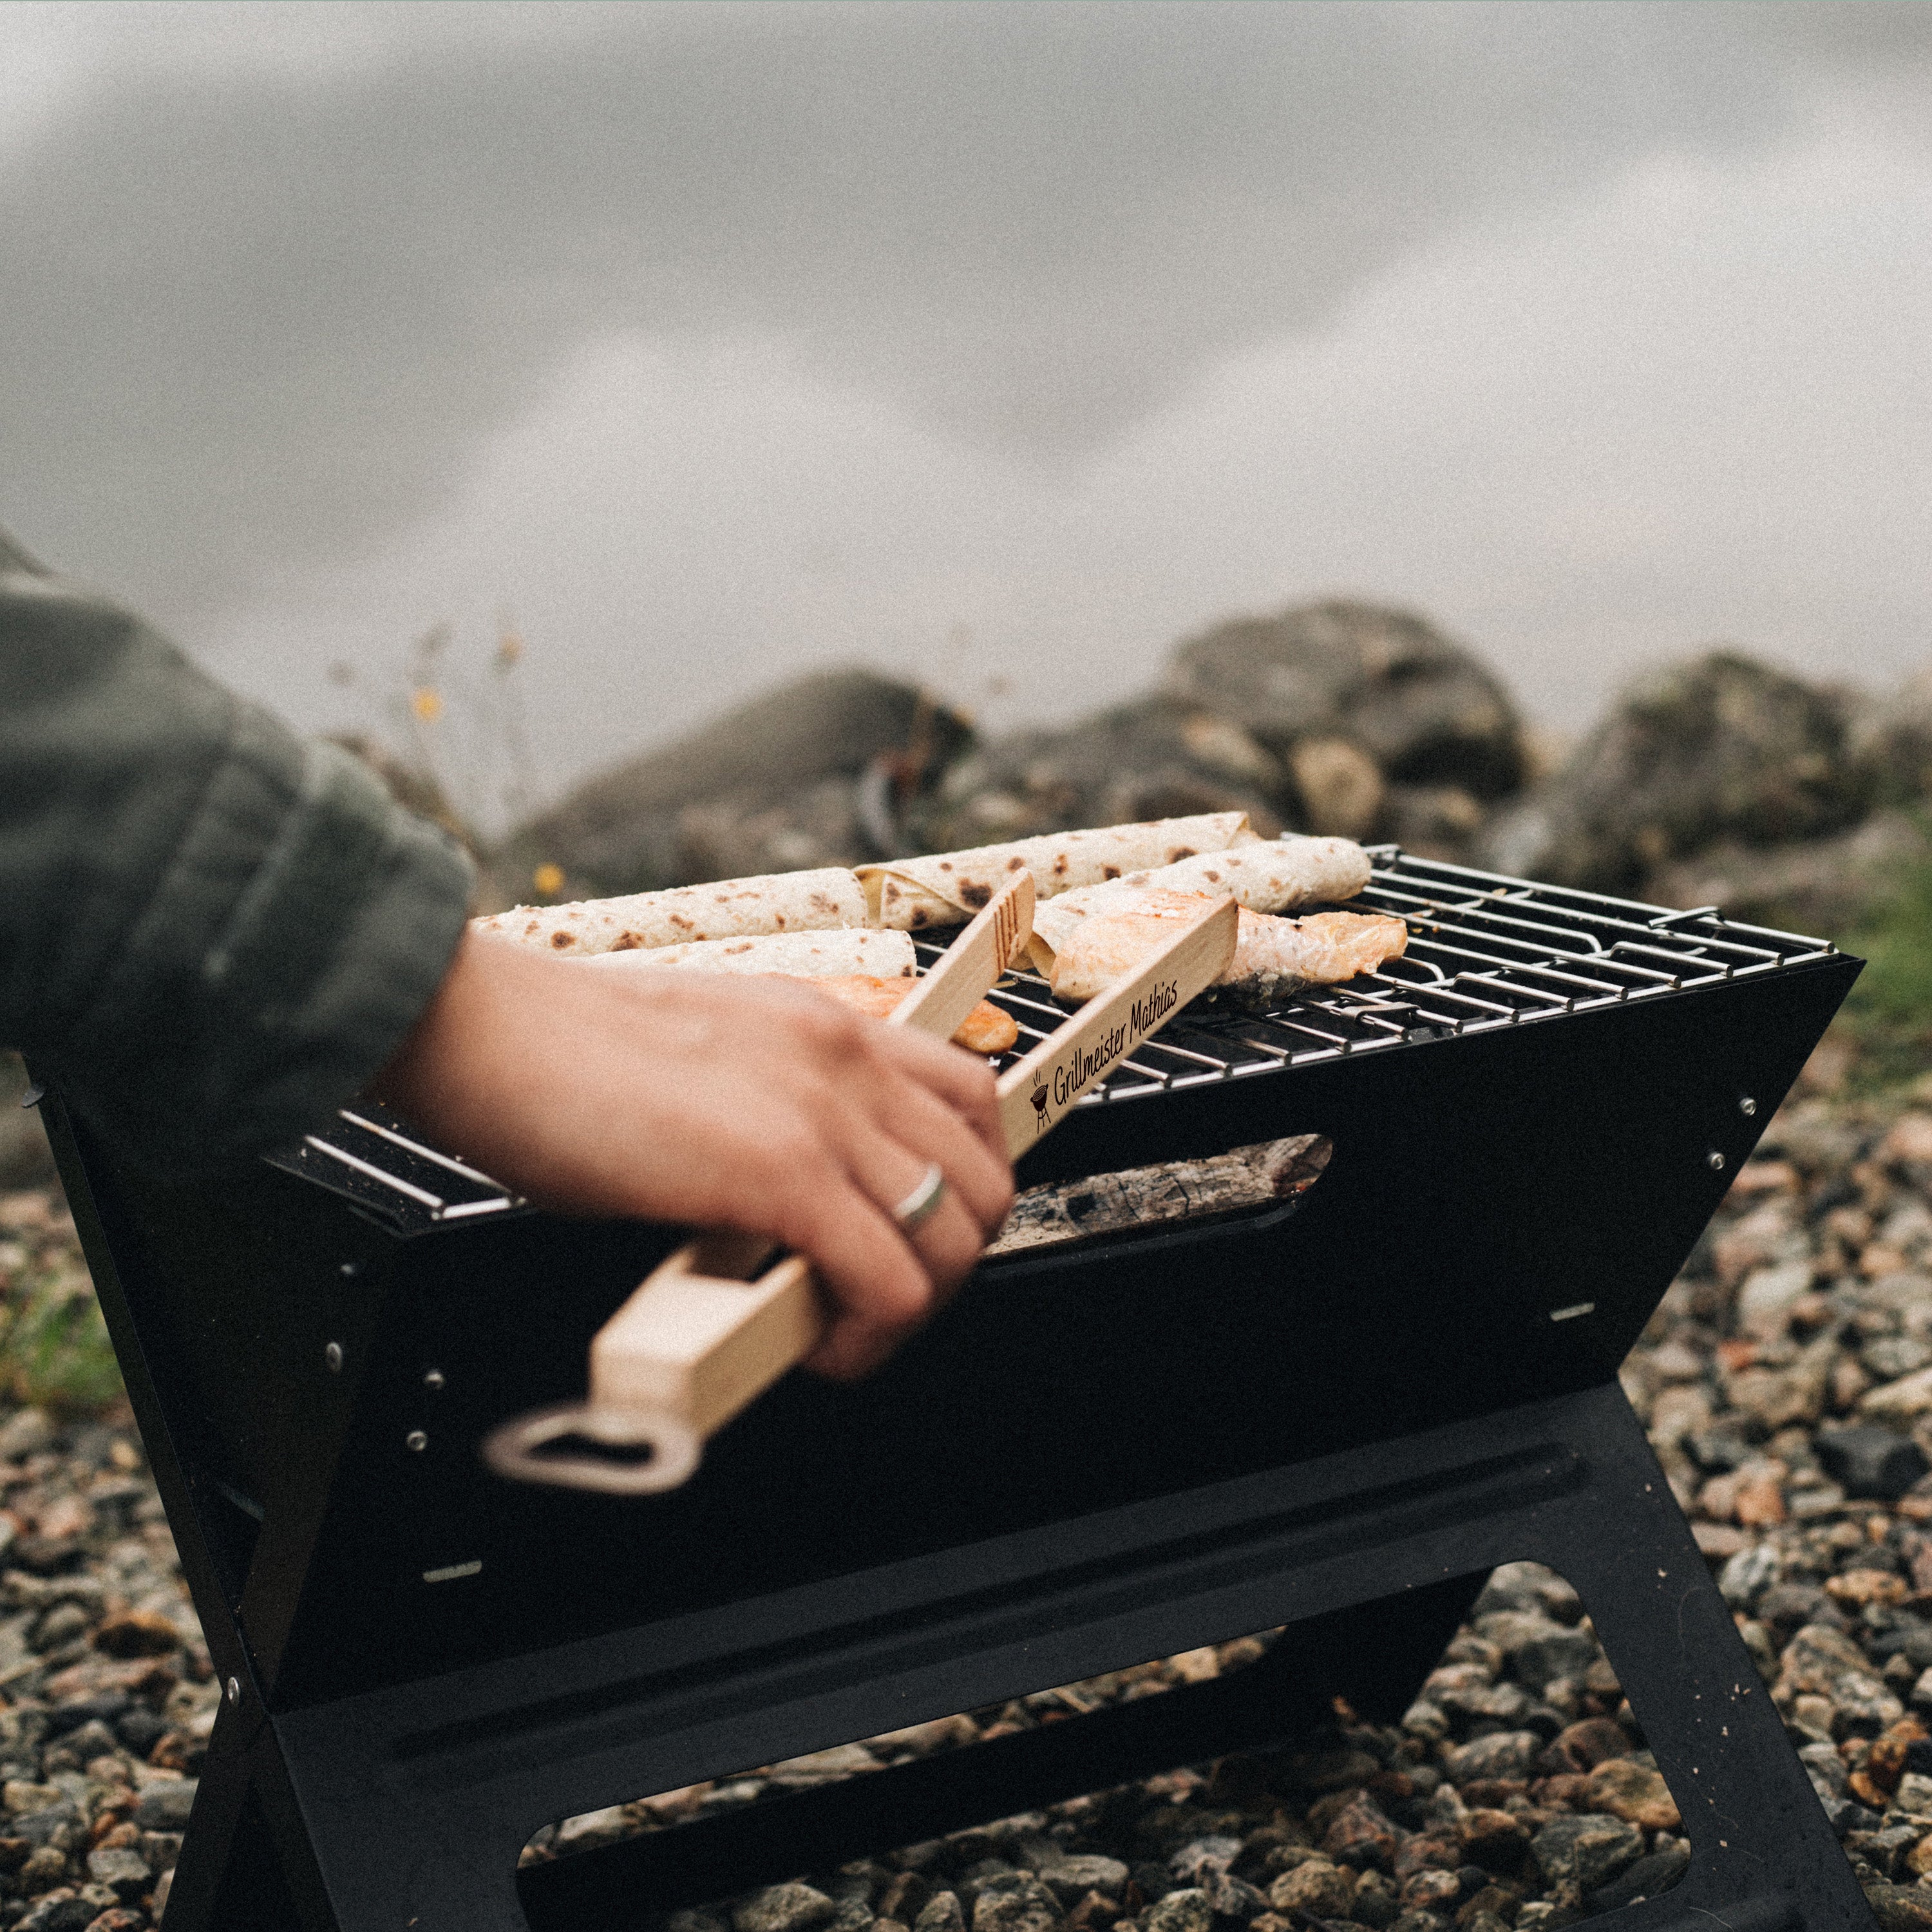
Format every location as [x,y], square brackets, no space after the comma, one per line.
[1244,1184]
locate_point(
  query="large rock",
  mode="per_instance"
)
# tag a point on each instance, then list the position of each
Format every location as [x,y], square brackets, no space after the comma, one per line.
[1891,743]
[817,772]
[1153,757]
[1421,706]
[1722,747]
[1825,886]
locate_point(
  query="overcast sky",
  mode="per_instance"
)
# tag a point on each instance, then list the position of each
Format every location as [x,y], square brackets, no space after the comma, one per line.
[999,345]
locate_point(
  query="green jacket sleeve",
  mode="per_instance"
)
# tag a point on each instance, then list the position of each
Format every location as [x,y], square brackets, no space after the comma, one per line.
[212,932]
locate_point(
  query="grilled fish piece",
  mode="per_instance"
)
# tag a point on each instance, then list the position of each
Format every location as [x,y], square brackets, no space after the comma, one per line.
[1273,957]
[984,1030]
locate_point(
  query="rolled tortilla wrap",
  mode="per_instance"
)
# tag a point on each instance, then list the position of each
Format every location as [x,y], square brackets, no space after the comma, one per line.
[823,900]
[885,955]
[1273,957]
[1269,875]
[948,888]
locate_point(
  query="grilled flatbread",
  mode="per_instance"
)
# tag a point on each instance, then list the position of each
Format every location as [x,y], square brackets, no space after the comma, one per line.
[1268,875]
[823,900]
[1274,957]
[948,888]
[807,955]
[986,1029]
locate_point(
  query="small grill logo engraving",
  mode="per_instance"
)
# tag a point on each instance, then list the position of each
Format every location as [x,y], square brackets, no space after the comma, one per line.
[1039,1099]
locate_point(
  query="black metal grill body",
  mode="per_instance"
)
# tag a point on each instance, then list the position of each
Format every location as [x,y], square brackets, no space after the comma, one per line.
[1336,1414]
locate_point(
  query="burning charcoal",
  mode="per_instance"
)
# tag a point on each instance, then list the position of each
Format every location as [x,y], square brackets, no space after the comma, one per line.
[1869,1461]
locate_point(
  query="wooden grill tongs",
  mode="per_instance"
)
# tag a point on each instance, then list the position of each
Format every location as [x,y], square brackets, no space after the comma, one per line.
[701,1338]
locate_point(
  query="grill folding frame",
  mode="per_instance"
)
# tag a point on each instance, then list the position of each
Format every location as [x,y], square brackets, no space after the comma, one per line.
[1336,1414]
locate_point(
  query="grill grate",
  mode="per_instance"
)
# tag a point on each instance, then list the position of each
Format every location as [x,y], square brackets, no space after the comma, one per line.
[1485,950]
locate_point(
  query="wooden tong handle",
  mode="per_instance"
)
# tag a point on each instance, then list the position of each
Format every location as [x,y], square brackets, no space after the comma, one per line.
[698,1340]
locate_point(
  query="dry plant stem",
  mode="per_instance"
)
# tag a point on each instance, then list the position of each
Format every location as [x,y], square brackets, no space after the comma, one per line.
[752,1105]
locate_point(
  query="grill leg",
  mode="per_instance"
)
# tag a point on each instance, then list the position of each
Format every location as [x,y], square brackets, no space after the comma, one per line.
[401,1839]
[245,1862]
[1760,1845]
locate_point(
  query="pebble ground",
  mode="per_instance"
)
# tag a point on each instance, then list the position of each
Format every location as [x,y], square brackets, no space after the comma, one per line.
[1786,1383]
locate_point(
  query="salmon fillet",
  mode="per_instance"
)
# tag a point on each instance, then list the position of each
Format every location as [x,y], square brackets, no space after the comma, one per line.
[1273,957]
[984,1030]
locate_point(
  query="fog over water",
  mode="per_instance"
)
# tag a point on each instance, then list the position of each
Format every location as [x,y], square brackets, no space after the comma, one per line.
[1000,345]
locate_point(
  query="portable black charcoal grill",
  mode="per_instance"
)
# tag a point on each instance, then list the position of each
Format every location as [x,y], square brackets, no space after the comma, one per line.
[1335,1413]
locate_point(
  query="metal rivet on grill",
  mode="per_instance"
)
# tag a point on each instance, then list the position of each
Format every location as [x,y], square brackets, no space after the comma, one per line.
[1748,1106]
[416,1440]
[234,1690]
[351,1269]
[332,1355]
[1714,1161]
[433,1380]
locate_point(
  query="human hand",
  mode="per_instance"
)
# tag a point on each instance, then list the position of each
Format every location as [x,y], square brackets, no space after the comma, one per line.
[721,1101]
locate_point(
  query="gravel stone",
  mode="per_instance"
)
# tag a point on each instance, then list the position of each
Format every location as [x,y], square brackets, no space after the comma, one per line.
[784,1908]
[1315,1886]
[1084,1872]
[1588,1850]
[1187,1910]
[123,1869]
[942,1912]
[1203,1854]
[55,1913]
[1519,1737]
[1501,1754]
[1016,1902]
[165,1807]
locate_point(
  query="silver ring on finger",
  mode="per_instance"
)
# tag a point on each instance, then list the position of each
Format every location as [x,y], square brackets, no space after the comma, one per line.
[924,1201]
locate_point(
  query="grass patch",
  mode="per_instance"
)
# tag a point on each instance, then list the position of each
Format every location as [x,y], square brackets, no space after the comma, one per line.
[1888,1013]
[54,1350]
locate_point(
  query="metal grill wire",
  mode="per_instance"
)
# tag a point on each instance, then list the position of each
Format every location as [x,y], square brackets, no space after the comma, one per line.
[1485,950]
